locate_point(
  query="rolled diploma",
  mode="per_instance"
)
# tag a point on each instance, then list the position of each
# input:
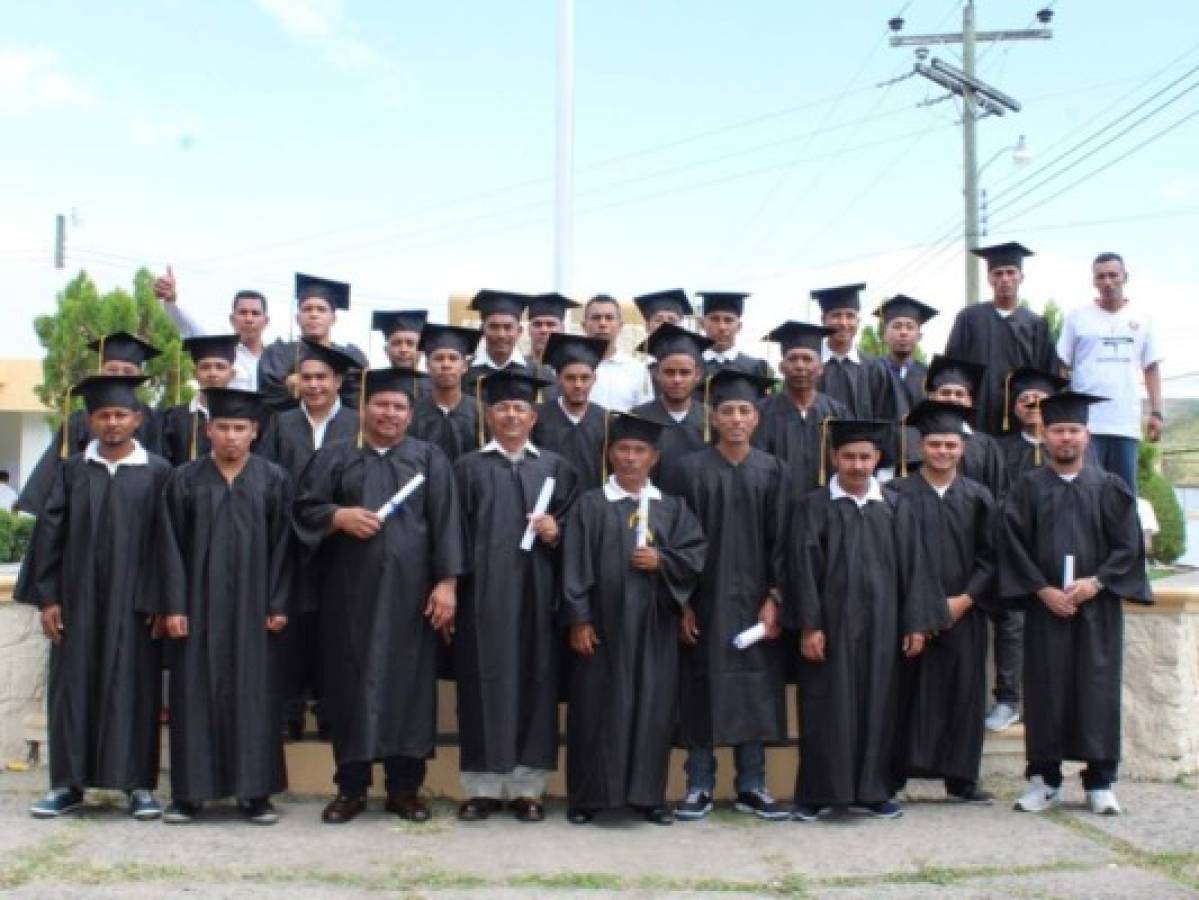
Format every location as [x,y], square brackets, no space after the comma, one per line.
[643,519]
[750,636]
[401,495]
[539,508]
[1067,571]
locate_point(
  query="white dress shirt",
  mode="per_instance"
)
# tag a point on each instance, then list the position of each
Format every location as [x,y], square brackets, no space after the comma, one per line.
[621,382]
[873,492]
[136,457]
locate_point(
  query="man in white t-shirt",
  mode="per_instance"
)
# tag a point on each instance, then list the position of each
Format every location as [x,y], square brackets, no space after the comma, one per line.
[1108,346]
[621,381]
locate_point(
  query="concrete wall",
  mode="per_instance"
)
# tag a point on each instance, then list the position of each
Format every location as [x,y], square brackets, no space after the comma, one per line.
[23,438]
[23,655]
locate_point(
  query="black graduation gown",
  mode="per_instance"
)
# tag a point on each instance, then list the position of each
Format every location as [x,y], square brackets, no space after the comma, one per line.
[184,436]
[1020,455]
[582,444]
[853,384]
[843,579]
[225,556]
[92,553]
[506,639]
[278,360]
[893,397]
[943,691]
[455,432]
[982,336]
[621,717]
[730,696]
[795,437]
[378,651]
[38,485]
[1072,667]
[288,442]
[983,461]
[742,362]
[478,370]
[677,440]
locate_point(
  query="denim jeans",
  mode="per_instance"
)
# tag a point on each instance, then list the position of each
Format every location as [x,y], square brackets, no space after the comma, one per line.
[1118,455]
[749,758]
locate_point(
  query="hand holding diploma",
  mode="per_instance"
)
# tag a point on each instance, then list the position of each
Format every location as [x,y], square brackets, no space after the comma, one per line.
[539,508]
[388,508]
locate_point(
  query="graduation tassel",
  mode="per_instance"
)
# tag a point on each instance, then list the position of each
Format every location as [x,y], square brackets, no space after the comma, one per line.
[100,358]
[708,410]
[823,459]
[541,374]
[295,388]
[362,403]
[1036,448]
[604,454]
[64,451]
[195,432]
[903,447]
[479,406]
[1007,401]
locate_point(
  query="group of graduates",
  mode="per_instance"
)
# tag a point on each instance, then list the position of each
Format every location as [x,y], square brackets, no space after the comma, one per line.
[665,560]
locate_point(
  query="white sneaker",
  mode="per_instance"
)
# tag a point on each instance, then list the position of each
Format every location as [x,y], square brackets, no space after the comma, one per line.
[1002,717]
[1103,803]
[1039,797]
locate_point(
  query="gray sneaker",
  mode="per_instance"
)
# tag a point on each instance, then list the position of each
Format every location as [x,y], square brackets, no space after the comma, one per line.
[143,806]
[695,805]
[1002,717]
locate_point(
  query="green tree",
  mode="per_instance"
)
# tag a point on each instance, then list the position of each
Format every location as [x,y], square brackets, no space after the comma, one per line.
[84,314]
[1053,317]
[870,343]
[1170,542]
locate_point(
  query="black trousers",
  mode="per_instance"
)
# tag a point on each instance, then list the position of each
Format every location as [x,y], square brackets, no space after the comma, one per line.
[1099,775]
[402,775]
[1009,655]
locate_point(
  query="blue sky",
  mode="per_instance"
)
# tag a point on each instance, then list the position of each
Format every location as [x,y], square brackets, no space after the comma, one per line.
[409,149]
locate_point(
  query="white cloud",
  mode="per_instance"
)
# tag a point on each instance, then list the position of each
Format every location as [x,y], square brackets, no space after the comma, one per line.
[33,81]
[324,24]
[179,132]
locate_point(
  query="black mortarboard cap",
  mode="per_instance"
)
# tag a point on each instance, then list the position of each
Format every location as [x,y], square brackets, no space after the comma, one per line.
[550,305]
[849,431]
[1026,378]
[628,427]
[335,293]
[674,299]
[935,417]
[104,391]
[389,321]
[511,384]
[669,339]
[731,384]
[947,370]
[449,337]
[563,349]
[393,378]
[499,303]
[1009,254]
[902,306]
[124,347]
[793,334]
[845,296]
[212,346]
[1068,407]
[335,359]
[230,403]
[724,301]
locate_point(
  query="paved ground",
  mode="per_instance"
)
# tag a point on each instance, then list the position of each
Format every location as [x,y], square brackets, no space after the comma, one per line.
[935,850]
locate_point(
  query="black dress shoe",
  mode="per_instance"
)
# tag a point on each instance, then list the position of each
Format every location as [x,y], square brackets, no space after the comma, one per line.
[659,815]
[408,806]
[579,816]
[528,809]
[342,809]
[476,809]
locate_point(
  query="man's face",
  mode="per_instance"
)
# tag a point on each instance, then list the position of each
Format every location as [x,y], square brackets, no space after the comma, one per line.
[500,333]
[214,372]
[249,319]
[844,323]
[113,426]
[735,421]
[401,348]
[1028,408]
[952,392]
[511,421]
[540,329]
[315,318]
[446,368]
[575,382]
[722,327]
[1066,442]
[632,460]
[386,417]
[901,336]
[941,453]
[678,376]
[119,367]
[1005,283]
[660,318]
[319,384]
[1109,279]
[801,368]
[854,463]
[602,321]
[231,438]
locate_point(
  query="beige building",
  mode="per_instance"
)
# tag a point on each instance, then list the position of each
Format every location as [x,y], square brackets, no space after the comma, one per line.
[24,432]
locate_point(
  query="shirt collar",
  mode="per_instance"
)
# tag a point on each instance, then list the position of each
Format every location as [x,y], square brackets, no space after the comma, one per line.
[195,407]
[483,358]
[493,446]
[873,492]
[566,412]
[614,492]
[138,457]
[332,412]
[1031,438]
[722,357]
[826,354]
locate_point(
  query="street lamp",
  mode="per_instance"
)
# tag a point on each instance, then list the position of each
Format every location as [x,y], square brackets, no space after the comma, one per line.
[1021,156]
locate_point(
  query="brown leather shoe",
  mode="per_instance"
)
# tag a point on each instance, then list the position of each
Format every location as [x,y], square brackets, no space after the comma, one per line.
[408,806]
[342,809]
[476,809]
[528,809]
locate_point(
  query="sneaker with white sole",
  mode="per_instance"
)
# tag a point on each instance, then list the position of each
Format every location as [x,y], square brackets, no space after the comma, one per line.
[695,805]
[57,802]
[761,804]
[1039,796]
[143,806]
[1002,717]
[1103,802]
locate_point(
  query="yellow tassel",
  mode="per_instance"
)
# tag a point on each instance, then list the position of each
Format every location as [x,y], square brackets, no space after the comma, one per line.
[604,453]
[195,433]
[100,360]
[361,404]
[903,447]
[708,410]
[1036,448]
[823,458]
[295,388]
[1007,401]
[64,451]
[479,407]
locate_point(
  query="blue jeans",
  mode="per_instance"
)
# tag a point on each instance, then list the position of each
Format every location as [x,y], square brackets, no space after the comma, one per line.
[1118,455]
[750,760]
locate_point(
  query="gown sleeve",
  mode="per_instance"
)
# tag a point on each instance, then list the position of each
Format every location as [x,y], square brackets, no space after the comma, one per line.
[681,558]
[578,571]
[1123,569]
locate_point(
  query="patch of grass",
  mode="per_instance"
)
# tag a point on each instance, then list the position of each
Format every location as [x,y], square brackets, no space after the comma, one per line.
[949,875]
[1181,868]
[30,863]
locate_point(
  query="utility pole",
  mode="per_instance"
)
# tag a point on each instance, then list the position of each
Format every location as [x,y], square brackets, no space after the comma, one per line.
[565,163]
[60,241]
[978,100]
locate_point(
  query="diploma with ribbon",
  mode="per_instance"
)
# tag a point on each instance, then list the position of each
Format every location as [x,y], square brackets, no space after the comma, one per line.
[750,636]
[1067,571]
[643,519]
[400,496]
[539,508]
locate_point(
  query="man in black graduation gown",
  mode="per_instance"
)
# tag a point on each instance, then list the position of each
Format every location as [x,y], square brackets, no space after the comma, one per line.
[1000,334]
[547,316]
[386,576]
[317,303]
[948,575]
[184,426]
[500,313]
[847,376]
[291,439]
[679,408]
[1021,447]
[90,570]
[734,696]
[959,381]
[401,329]
[897,377]
[445,415]
[623,590]
[843,594]
[569,423]
[721,323]
[506,639]
[119,353]
[225,555]
[669,307]
[1071,552]
[791,420]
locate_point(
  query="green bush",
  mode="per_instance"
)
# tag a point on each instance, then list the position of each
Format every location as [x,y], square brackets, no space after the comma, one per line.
[15,531]
[1171,540]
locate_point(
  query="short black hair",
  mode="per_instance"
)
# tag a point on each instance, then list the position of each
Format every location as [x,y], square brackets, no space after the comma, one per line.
[601,298]
[249,295]
[1109,257]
